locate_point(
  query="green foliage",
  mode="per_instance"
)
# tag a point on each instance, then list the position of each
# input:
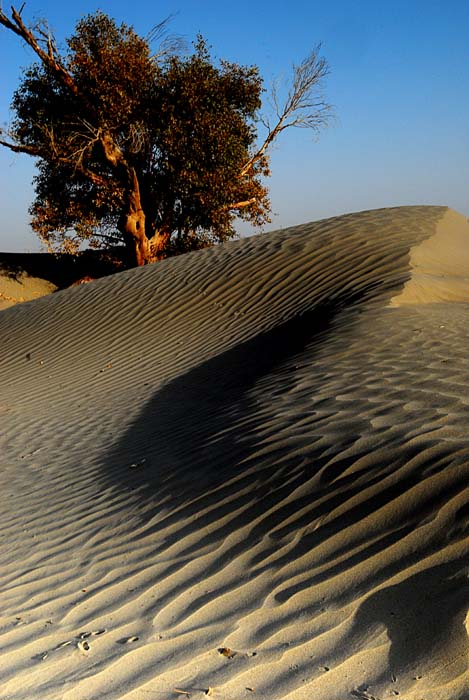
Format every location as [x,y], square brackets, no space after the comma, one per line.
[156,151]
[184,125]
[205,134]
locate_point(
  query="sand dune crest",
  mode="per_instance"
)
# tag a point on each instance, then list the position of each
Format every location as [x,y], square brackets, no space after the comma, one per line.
[440,265]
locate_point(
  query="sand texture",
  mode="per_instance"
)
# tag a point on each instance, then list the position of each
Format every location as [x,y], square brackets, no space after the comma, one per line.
[19,286]
[244,471]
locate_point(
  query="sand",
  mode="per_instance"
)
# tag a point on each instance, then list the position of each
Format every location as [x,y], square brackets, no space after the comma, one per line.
[242,473]
[18,286]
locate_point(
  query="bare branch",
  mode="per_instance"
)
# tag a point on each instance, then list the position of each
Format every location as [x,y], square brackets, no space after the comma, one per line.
[240,205]
[168,44]
[274,99]
[304,105]
[20,149]
[87,137]
[49,57]
[138,137]
[265,122]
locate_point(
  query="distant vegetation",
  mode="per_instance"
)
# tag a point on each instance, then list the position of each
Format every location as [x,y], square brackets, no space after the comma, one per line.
[158,151]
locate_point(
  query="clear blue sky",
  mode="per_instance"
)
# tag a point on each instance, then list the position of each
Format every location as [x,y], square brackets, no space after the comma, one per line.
[399,83]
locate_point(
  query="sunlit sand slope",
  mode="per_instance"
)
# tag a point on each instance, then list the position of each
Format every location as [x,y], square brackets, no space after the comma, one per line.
[242,473]
[18,287]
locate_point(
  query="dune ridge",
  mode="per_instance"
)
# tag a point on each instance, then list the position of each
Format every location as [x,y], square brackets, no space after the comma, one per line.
[248,466]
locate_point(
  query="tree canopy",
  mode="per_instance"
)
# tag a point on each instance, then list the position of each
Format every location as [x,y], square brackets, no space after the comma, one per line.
[159,151]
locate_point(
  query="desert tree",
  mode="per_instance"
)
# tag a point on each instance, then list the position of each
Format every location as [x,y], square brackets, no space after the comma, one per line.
[158,151]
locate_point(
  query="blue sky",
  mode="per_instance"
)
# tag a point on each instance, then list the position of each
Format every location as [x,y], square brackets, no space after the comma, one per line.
[399,83]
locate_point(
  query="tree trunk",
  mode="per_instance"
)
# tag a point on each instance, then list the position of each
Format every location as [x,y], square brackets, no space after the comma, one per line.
[133,229]
[143,250]
[132,224]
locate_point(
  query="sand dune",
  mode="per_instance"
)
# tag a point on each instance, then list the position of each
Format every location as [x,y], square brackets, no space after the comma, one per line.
[18,287]
[242,473]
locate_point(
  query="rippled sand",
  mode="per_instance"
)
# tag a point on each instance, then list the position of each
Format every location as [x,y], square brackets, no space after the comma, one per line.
[244,471]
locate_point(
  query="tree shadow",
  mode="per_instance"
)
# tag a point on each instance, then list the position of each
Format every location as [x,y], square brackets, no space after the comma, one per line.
[61,269]
[197,429]
[206,444]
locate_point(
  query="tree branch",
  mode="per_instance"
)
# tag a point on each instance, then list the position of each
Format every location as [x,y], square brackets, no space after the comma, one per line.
[30,150]
[49,57]
[94,177]
[168,44]
[240,205]
[302,107]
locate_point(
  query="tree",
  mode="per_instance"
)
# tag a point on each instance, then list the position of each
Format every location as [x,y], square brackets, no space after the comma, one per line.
[156,151]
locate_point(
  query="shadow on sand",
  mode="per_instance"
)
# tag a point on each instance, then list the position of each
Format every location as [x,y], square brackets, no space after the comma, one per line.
[197,429]
[424,616]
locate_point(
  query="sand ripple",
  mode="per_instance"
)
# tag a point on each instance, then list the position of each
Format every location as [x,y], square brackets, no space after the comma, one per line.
[244,470]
